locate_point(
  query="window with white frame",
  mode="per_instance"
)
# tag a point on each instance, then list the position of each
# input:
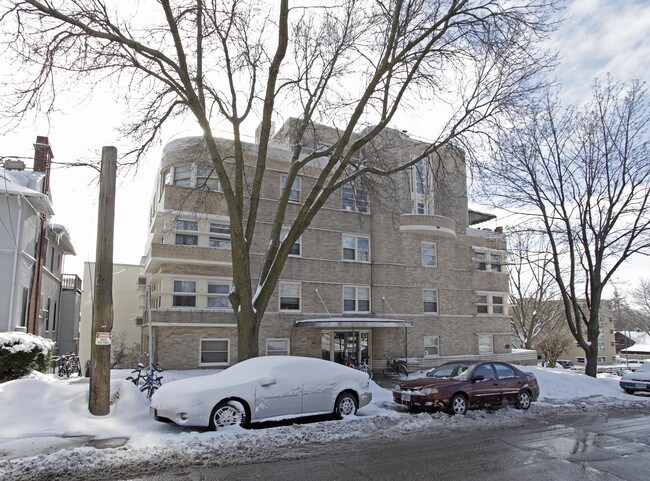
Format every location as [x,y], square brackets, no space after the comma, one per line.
[485,344]
[45,310]
[431,346]
[356,299]
[182,175]
[206,177]
[186,240]
[419,183]
[184,293]
[214,352]
[489,261]
[290,296]
[294,195]
[429,254]
[186,225]
[491,303]
[296,247]
[356,248]
[218,295]
[219,235]
[353,199]
[430,300]
[277,347]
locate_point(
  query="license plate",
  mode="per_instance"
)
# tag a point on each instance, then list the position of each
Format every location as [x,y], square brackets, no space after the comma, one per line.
[406,396]
[639,385]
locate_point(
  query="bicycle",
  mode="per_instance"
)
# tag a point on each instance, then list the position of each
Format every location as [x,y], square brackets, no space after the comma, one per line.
[395,367]
[152,381]
[138,370]
[363,367]
[69,365]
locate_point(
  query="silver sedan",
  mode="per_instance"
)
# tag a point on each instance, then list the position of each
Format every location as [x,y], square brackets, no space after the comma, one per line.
[263,389]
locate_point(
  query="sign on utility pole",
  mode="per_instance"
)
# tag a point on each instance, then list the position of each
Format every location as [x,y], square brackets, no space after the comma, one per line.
[100,351]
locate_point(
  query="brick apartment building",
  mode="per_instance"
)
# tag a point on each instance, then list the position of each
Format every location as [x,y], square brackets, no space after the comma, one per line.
[385,270]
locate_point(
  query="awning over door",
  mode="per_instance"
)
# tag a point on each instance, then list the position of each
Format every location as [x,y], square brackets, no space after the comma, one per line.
[352,323]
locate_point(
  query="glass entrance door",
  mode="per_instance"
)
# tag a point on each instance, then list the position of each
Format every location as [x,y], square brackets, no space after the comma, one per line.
[346,346]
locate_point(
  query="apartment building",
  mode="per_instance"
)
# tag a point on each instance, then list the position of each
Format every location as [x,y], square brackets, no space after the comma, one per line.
[391,269]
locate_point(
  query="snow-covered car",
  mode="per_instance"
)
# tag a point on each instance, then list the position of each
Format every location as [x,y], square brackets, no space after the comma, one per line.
[638,380]
[634,364]
[457,386]
[263,389]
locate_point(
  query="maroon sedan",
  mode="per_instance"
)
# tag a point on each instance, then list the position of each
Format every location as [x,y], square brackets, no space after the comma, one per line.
[458,386]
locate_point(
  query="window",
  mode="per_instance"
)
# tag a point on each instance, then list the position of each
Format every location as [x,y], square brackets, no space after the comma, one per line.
[353,199]
[602,359]
[296,247]
[220,238]
[601,346]
[215,351]
[431,346]
[491,303]
[488,261]
[356,299]
[25,306]
[218,295]
[485,344]
[580,360]
[206,177]
[420,189]
[290,296]
[429,254]
[187,240]
[277,347]
[218,243]
[183,175]
[356,248]
[294,195]
[186,296]
[485,370]
[54,311]
[46,314]
[504,371]
[223,229]
[430,298]
[186,225]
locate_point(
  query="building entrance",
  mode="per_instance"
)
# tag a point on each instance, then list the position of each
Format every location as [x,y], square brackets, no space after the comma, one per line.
[346,346]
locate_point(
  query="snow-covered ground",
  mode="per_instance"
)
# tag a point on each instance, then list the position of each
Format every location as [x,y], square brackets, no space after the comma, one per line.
[46,431]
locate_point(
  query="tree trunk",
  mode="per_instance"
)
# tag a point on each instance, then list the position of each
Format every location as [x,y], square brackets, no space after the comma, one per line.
[248,327]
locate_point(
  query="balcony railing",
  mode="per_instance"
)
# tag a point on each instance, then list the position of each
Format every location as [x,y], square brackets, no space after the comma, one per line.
[436,225]
[71,281]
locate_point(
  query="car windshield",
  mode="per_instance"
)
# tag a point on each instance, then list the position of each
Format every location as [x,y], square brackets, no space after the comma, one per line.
[453,370]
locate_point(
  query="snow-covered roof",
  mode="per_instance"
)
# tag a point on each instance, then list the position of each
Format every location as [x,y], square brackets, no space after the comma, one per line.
[639,337]
[638,348]
[24,183]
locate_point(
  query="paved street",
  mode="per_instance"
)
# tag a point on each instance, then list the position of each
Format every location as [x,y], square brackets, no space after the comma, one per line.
[603,446]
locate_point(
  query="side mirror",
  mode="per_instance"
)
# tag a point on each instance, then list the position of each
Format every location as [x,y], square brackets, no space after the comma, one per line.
[478,377]
[267,381]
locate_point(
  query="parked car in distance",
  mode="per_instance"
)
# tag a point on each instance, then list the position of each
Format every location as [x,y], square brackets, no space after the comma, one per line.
[638,380]
[457,386]
[262,389]
[566,364]
[634,364]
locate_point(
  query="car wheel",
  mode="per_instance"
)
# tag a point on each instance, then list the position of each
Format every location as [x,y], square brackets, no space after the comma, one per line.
[630,391]
[458,404]
[228,413]
[523,400]
[346,405]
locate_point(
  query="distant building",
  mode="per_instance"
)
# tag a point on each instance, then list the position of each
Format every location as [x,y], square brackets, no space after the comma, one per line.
[396,271]
[634,344]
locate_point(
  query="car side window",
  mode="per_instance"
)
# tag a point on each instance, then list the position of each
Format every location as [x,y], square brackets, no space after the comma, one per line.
[504,371]
[486,371]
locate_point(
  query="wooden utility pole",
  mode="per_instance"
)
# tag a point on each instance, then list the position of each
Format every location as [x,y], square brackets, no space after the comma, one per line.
[100,352]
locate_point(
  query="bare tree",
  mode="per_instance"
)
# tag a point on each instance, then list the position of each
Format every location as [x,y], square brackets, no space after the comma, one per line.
[552,344]
[534,293]
[583,179]
[353,65]
[640,297]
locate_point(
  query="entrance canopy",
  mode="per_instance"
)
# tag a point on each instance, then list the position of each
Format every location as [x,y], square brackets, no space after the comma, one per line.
[352,323]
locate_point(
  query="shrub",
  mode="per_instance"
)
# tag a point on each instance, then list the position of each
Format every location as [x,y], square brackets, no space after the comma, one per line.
[21,353]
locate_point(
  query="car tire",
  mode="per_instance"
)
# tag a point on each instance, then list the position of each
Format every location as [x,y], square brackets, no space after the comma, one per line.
[630,391]
[228,413]
[346,405]
[457,405]
[523,400]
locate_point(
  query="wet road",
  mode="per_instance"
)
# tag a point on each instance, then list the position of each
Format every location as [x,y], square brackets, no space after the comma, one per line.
[567,447]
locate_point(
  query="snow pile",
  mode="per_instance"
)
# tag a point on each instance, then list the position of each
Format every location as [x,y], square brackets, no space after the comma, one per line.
[47,432]
[23,342]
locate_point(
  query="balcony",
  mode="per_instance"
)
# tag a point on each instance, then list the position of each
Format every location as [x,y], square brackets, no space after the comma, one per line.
[71,281]
[172,253]
[435,225]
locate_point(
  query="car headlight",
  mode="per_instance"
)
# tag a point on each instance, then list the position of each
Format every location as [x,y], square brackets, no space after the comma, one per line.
[429,390]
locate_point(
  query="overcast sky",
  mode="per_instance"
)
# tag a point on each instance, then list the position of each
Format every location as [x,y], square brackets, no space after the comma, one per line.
[597,37]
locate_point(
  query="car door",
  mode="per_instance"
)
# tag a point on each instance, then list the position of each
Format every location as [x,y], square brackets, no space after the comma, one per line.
[319,390]
[509,382]
[279,394]
[485,391]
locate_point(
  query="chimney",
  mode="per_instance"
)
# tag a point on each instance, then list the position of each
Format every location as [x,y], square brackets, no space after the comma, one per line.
[499,230]
[42,154]
[12,164]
